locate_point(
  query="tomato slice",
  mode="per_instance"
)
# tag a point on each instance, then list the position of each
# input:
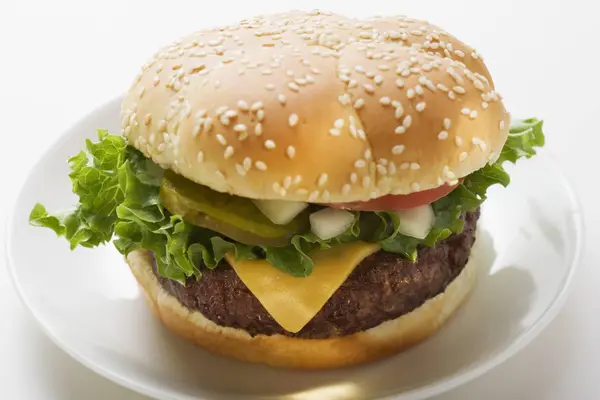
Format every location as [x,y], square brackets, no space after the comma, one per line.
[398,202]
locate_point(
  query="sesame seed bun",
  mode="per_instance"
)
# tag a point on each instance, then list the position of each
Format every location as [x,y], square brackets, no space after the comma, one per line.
[277,350]
[317,107]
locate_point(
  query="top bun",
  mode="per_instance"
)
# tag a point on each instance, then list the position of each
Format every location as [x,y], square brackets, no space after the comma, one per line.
[317,107]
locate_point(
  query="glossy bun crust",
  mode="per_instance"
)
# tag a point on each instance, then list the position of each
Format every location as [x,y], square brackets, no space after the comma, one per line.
[317,107]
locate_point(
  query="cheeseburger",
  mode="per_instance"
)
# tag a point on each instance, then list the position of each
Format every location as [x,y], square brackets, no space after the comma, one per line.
[302,189]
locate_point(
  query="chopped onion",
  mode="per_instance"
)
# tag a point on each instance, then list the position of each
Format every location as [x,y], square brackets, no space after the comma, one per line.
[330,222]
[280,212]
[416,222]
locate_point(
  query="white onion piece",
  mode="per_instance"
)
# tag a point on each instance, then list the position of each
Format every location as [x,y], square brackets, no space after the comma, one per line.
[280,212]
[416,222]
[330,222]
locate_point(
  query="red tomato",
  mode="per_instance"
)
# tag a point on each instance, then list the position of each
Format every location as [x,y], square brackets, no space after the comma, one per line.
[398,202]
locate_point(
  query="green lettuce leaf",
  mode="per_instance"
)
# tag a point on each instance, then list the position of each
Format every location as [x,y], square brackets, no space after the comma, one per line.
[118,191]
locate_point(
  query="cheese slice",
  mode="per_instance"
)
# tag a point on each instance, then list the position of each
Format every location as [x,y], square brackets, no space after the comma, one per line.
[292,301]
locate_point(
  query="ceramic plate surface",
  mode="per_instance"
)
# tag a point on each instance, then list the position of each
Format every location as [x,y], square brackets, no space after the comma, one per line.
[87,301]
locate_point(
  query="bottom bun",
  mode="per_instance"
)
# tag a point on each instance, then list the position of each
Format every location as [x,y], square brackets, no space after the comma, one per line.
[381,341]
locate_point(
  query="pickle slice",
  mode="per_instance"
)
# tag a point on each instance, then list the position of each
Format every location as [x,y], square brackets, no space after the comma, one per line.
[232,216]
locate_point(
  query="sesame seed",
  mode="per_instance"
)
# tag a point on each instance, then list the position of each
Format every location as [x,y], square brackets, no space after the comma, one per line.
[415,166]
[366,181]
[443,135]
[258,129]
[276,186]
[420,106]
[219,111]
[353,177]
[291,152]
[221,139]
[293,120]
[359,103]
[257,106]
[465,111]
[400,82]
[398,149]
[293,87]
[240,170]
[260,115]
[287,182]
[156,81]
[207,125]
[322,179]
[479,143]
[269,144]
[313,196]
[300,81]
[162,125]
[378,80]
[410,94]
[361,134]
[415,186]
[407,122]
[346,189]
[335,132]
[228,152]
[382,170]
[473,114]
[339,123]
[459,89]
[360,163]
[392,168]
[452,72]
[267,72]
[385,101]
[270,86]
[501,125]
[447,123]
[447,173]
[247,163]
[224,119]
[459,53]
[481,77]
[200,157]
[368,154]
[344,99]
[239,128]
[400,130]
[148,119]
[369,88]
[458,141]
[462,156]
[419,90]
[484,105]
[442,87]
[260,165]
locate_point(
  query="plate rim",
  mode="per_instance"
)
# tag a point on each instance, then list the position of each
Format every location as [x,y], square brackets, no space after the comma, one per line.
[440,386]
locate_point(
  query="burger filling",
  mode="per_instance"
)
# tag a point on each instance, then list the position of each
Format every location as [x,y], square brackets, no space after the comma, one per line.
[286,253]
[383,286]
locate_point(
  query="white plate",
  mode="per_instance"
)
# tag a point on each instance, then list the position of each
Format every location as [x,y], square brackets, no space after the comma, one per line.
[88,303]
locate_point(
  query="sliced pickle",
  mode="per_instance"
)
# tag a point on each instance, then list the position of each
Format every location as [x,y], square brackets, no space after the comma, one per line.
[233,216]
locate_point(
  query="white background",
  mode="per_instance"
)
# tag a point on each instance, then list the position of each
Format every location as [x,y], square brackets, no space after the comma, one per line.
[60,59]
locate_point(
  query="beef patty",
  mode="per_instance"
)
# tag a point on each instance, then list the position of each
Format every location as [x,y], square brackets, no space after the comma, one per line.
[382,287]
